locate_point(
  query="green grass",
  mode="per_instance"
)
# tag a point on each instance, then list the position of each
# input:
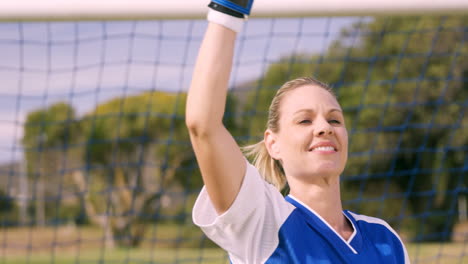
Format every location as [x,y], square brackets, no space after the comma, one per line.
[70,245]
[455,253]
[440,253]
[133,256]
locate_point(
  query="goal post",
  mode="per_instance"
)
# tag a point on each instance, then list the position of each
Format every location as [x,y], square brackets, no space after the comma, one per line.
[157,9]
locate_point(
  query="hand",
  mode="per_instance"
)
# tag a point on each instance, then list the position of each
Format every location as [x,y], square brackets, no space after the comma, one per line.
[236,8]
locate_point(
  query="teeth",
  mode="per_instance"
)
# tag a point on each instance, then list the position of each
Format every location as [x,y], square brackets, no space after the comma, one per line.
[324,148]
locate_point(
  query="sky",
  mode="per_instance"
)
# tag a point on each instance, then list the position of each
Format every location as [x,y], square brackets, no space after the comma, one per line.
[87,63]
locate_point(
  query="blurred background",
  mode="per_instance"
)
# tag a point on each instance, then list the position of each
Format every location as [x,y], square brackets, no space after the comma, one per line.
[95,161]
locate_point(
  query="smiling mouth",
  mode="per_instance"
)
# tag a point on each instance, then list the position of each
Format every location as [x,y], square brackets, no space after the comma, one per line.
[323,148]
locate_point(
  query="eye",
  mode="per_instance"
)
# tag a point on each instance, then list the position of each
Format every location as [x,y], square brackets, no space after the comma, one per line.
[305,121]
[334,121]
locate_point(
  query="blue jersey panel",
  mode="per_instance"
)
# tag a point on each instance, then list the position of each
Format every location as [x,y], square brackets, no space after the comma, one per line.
[386,246]
[305,238]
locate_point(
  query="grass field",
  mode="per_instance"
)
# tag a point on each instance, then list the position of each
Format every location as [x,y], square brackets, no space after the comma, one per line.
[67,245]
[133,256]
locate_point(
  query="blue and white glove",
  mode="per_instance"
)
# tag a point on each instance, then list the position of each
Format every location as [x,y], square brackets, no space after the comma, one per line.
[229,13]
[238,6]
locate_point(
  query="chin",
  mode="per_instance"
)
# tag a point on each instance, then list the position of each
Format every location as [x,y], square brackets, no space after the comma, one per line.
[327,166]
[328,170]
[329,173]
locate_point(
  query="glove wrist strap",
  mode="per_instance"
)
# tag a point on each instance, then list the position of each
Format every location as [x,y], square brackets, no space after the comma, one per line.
[225,10]
[231,22]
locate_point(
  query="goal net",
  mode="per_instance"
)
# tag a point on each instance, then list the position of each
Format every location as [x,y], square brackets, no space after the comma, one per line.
[95,160]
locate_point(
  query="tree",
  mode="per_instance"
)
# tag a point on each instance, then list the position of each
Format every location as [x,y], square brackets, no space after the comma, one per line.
[134,146]
[7,204]
[137,151]
[123,159]
[47,133]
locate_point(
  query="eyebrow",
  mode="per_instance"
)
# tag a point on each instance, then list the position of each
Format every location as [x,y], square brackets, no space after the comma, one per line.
[308,110]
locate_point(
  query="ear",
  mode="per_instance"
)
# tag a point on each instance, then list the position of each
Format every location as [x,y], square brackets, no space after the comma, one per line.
[271,144]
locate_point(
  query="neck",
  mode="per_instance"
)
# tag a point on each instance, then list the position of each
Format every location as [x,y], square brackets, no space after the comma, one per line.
[325,199]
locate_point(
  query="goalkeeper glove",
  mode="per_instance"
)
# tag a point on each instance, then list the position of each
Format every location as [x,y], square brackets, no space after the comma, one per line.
[237,8]
[229,13]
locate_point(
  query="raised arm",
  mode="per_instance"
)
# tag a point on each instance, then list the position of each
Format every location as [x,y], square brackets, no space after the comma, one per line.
[221,162]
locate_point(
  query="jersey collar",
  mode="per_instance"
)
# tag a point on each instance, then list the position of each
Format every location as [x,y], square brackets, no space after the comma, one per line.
[354,243]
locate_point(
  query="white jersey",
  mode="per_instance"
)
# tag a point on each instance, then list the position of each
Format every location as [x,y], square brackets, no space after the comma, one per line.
[262,226]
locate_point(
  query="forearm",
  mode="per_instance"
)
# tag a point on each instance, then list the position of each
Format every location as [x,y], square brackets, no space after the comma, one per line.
[208,90]
[221,162]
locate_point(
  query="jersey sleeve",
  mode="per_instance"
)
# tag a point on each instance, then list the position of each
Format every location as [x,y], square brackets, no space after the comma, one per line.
[248,230]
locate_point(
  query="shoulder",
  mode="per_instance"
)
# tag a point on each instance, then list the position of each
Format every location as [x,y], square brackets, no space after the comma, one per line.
[248,230]
[372,221]
[255,196]
[369,219]
[379,231]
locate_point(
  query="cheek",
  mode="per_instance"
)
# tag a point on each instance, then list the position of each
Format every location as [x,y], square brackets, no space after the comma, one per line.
[345,139]
[288,145]
[342,136]
[344,144]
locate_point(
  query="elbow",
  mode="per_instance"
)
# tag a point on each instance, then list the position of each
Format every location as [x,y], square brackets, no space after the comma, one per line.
[193,127]
[198,128]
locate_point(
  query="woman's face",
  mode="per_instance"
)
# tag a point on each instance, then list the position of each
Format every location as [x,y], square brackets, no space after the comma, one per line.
[312,141]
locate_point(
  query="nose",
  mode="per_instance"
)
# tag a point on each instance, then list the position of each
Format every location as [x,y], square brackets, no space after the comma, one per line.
[323,128]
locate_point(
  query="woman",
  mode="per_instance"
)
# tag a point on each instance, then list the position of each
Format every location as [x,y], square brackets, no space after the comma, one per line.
[305,144]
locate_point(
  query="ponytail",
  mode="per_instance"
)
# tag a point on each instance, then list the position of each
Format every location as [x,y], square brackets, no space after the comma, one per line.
[270,169]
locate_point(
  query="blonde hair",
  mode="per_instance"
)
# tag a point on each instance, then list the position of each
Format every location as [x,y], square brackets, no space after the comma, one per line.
[270,169]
